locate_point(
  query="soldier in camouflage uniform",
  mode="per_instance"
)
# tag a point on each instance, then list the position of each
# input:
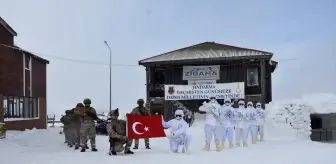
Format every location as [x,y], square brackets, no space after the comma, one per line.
[65,120]
[116,130]
[141,110]
[88,128]
[77,125]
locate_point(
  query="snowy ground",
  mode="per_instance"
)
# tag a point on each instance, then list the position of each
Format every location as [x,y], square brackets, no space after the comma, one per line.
[47,147]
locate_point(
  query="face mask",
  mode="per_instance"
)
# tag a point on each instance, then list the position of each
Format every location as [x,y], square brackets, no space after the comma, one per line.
[249,106]
[178,117]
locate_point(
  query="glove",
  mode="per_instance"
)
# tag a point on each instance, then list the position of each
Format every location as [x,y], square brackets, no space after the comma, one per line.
[170,135]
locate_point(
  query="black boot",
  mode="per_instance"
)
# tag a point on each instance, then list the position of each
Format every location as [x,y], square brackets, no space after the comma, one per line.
[147,147]
[70,145]
[94,149]
[87,147]
[112,147]
[128,151]
[136,147]
[76,147]
[83,150]
[112,152]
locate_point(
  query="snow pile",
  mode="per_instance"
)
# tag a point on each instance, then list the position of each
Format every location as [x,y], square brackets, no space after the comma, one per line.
[294,115]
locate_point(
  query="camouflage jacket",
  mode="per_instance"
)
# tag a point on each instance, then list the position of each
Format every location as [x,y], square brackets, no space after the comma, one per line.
[141,111]
[90,114]
[116,129]
[66,120]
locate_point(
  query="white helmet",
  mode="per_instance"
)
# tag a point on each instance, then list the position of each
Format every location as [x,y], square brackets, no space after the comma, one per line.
[241,102]
[227,100]
[212,98]
[250,103]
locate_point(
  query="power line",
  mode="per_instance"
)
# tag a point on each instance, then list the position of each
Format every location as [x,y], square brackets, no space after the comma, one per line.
[69,59]
[102,63]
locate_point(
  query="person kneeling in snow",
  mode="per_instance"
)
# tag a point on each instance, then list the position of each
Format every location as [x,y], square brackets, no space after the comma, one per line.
[178,135]
[116,130]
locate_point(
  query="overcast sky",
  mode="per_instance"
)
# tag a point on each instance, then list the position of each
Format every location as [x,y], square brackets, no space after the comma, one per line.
[300,30]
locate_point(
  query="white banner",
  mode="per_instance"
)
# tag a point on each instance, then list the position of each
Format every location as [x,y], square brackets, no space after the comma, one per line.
[201,82]
[197,92]
[210,72]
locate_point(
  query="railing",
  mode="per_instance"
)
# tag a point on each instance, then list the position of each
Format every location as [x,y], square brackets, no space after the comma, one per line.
[20,107]
[323,135]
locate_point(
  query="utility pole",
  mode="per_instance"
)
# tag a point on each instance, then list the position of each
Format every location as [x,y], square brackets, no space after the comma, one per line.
[110,66]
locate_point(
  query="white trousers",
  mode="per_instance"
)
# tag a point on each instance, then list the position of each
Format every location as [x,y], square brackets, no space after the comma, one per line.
[175,143]
[253,129]
[241,133]
[211,132]
[224,133]
[260,130]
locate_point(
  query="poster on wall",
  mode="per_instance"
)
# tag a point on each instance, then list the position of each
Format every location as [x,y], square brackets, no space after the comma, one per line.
[198,92]
[210,72]
[201,82]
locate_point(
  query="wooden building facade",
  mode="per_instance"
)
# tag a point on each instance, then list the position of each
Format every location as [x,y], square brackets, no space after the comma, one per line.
[253,67]
[23,84]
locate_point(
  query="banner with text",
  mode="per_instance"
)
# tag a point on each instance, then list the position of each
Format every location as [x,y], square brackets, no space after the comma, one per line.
[197,92]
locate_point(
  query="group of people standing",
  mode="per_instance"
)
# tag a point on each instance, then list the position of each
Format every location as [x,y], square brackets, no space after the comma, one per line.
[79,126]
[223,122]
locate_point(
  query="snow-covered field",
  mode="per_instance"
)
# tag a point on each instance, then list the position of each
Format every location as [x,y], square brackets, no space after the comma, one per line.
[47,147]
[287,142]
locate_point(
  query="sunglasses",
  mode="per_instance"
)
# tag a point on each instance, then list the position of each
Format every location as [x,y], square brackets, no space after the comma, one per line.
[241,104]
[178,116]
[258,105]
[249,105]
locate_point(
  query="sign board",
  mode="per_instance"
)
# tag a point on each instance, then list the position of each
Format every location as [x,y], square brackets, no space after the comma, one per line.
[205,91]
[201,82]
[201,72]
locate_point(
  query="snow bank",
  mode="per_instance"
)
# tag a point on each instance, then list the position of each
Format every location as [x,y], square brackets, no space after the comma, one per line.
[293,116]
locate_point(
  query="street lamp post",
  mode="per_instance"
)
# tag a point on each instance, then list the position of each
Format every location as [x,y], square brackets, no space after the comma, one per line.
[110,65]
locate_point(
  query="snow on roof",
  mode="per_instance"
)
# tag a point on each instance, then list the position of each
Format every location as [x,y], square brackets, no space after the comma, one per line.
[198,51]
[321,103]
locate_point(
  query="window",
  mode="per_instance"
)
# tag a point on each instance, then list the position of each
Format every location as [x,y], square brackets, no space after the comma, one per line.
[252,77]
[20,107]
[27,63]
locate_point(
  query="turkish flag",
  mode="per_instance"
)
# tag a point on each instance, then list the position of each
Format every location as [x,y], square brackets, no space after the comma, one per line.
[144,126]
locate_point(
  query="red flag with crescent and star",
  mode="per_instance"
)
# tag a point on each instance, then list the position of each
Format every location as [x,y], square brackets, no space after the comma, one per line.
[139,127]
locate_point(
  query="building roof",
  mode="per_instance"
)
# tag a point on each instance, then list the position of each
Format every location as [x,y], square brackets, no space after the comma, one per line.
[32,55]
[7,27]
[207,51]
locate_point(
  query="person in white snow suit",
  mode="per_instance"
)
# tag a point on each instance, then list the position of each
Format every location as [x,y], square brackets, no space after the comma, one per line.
[211,121]
[252,120]
[226,126]
[178,132]
[242,126]
[260,121]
